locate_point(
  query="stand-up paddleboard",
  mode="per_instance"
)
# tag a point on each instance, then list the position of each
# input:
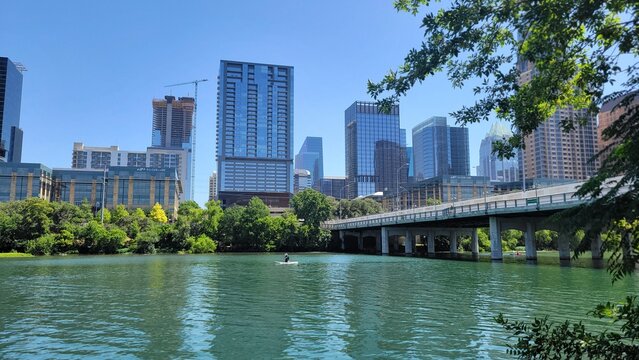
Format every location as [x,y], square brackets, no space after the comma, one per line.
[286,263]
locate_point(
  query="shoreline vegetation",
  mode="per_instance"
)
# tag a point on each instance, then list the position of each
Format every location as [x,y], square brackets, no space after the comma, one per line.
[39,227]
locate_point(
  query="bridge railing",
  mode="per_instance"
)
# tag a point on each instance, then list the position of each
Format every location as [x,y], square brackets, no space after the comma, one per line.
[517,202]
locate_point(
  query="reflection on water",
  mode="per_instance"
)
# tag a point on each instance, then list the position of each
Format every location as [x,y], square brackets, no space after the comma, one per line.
[246,306]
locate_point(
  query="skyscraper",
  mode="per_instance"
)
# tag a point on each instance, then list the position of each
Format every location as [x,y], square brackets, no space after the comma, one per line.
[10,100]
[171,137]
[374,156]
[439,149]
[610,112]
[311,158]
[172,122]
[213,186]
[255,133]
[490,165]
[552,153]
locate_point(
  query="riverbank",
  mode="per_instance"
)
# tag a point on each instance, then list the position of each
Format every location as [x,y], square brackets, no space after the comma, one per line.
[14,255]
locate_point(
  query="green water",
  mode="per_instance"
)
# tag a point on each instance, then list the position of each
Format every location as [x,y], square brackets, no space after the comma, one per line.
[246,306]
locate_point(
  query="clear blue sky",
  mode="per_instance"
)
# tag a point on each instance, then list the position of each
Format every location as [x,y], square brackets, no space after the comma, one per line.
[94,67]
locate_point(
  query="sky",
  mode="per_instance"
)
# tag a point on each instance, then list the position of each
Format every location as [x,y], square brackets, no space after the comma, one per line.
[94,68]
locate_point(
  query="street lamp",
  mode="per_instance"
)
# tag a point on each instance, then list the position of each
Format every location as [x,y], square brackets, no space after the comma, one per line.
[397,183]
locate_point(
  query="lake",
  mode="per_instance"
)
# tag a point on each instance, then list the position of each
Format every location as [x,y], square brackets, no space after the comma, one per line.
[245,306]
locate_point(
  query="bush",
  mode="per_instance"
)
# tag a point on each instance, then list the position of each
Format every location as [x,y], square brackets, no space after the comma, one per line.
[90,237]
[201,245]
[146,240]
[43,245]
[111,241]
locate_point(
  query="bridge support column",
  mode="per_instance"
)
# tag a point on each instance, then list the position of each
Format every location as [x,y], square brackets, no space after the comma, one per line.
[595,247]
[495,239]
[341,240]
[431,243]
[452,237]
[563,245]
[408,243]
[360,241]
[531,247]
[474,243]
[384,241]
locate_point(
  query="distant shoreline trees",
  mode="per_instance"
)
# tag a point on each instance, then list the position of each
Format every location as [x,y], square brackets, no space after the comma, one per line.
[40,227]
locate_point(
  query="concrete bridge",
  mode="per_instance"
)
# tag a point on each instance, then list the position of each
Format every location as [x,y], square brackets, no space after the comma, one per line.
[414,230]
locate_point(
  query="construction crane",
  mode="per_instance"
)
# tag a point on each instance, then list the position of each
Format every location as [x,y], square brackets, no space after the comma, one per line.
[195,82]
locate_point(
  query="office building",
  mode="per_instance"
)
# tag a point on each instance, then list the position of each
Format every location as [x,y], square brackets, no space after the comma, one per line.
[334,186]
[490,165]
[302,179]
[10,102]
[552,153]
[448,188]
[213,186]
[439,149]
[133,187]
[311,158]
[98,158]
[610,112]
[255,133]
[375,161]
[411,164]
[19,181]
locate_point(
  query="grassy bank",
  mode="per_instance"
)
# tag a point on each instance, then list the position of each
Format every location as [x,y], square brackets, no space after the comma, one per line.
[14,255]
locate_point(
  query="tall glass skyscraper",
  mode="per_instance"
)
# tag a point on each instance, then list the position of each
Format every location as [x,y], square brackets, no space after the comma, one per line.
[10,100]
[255,133]
[374,157]
[439,149]
[490,165]
[311,158]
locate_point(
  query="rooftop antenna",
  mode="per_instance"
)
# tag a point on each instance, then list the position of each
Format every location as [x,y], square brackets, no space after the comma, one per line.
[192,180]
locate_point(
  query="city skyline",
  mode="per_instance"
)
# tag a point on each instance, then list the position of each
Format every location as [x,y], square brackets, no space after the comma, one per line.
[129,81]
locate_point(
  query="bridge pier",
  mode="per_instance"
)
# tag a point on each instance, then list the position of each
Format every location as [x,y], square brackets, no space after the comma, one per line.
[563,245]
[529,238]
[431,243]
[474,243]
[360,241]
[595,249]
[496,253]
[384,240]
[408,243]
[452,237]
[341,240]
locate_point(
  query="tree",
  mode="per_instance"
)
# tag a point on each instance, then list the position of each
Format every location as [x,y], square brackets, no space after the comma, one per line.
[230,227]
[158,214]
[212,216]
[575,55]
[577,48]
[119,214]
[201,245]
[312,206]
[254,227]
